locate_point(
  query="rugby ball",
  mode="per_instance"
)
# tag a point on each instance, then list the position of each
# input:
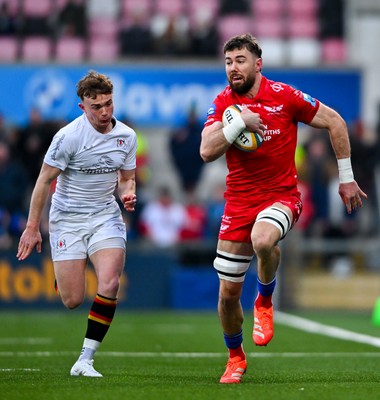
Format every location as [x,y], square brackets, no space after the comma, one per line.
[246,141]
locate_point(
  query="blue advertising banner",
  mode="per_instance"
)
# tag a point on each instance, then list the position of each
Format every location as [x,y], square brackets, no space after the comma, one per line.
[155,95]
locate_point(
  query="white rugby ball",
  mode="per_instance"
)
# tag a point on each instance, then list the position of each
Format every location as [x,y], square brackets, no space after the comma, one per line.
[246,141]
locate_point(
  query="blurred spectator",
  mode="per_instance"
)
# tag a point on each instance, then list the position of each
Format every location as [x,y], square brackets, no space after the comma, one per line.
[215,209]
[8,25]
[184,149]
[13,195]
[135,38]
[34,139]
[5,130]
[143,176]
[170,34]
[162,219]
[320,163]
[361,159]
[204,35]
[194,227]
[331,18]
[72,19]
[234,7]
[304,186]
[38,24]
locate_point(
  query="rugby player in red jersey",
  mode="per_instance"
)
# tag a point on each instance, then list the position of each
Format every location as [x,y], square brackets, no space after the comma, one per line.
[262,199]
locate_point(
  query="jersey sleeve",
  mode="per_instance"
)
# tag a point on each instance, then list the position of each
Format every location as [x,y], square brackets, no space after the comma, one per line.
[59,152]
[304,106]
[130,160]
[215,112]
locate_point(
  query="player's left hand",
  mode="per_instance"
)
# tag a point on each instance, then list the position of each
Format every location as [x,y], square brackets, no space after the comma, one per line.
[351,195]
[129,202]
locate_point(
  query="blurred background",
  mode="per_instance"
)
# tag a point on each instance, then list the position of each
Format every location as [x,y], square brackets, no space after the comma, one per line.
[165,59]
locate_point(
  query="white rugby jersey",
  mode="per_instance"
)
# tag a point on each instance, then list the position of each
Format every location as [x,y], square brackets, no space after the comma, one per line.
[89,161]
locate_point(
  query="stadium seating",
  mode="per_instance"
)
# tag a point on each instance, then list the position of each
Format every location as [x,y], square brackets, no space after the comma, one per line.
[103,51]
[13,6]
[236,24]
[70,49]
[37,8]
[268,27]
[36,49]
[267,8]
[106,28]
[280,23]
[305,27]
[333,51]
[9,46]
[304,52]
[303,8]
[169,7]
[102,8]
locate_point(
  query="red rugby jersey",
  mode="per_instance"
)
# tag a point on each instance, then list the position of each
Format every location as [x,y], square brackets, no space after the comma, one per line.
[271,168]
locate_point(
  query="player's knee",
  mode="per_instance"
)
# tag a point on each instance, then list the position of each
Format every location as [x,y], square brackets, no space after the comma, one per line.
[109,287]
[72,302]
[229,291]
[262,245]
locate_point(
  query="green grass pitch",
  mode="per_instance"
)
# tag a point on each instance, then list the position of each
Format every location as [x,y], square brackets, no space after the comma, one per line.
[180,356]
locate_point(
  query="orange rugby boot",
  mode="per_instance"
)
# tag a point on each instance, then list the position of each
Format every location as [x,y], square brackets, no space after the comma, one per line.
[235,369]
[263,329]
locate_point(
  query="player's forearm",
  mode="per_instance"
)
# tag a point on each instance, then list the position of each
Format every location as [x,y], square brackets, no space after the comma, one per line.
[38,201]
[214,143]
[127,187]
[339,138]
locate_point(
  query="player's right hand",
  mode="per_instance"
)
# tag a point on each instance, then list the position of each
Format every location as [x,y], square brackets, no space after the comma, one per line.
[253,121]
[29,240]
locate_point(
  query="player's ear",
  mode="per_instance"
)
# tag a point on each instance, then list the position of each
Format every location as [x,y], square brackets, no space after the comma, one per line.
[259,64]
[81,106]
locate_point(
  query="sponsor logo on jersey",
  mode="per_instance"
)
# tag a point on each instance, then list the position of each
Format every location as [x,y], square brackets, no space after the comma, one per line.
[211,110]
[309,99]
[57,146]
[103,166]
[275,109]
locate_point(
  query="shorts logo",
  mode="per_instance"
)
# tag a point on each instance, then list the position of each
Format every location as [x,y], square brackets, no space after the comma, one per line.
[226,223]
[61,244]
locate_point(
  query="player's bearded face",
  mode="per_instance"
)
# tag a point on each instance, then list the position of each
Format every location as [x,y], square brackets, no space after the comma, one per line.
[241,84]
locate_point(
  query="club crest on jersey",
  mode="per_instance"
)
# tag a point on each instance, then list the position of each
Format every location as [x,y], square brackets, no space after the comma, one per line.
[276,87]
[120,142]
[309,99]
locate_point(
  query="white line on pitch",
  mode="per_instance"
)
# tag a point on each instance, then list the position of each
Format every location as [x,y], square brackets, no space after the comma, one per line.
[19,369]
[307,325]
[185,355]
[25,340]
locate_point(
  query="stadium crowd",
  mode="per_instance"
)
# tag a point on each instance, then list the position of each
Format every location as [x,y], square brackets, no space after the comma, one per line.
[187,216]
[107,31]
[193,28]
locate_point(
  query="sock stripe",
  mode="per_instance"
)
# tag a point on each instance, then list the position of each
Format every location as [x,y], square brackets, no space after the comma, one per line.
[99,318]
[105,300]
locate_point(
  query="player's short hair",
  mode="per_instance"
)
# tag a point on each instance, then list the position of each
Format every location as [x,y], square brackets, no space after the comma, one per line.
[246,41]
[93,84]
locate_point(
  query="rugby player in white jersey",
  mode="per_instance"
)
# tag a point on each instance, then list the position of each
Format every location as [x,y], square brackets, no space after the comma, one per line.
[90,158]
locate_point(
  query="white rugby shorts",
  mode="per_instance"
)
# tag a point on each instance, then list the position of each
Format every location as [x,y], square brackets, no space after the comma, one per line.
[75,236]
